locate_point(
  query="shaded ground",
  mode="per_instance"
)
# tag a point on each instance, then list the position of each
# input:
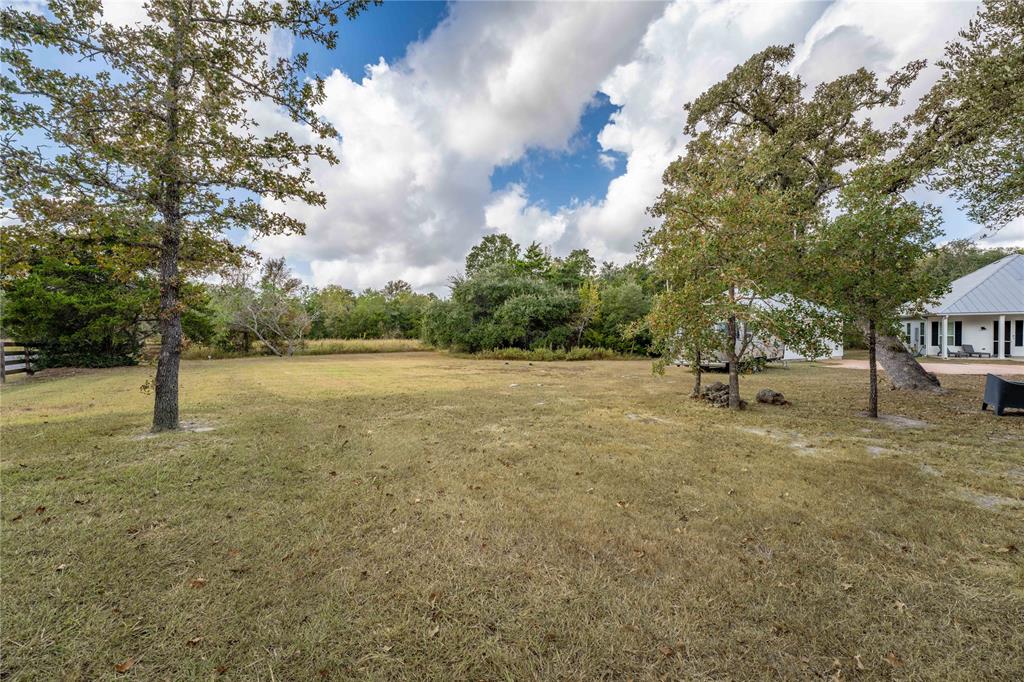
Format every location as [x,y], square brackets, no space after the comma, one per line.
[425,517]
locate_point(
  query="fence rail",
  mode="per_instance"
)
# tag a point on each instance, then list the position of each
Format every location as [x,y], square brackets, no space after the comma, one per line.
[16,358]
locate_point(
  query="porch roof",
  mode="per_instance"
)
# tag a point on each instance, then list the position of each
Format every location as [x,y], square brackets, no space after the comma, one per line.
[997,288]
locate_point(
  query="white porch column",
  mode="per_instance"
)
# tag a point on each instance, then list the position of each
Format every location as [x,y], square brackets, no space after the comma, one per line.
[1002,333]
[945,336]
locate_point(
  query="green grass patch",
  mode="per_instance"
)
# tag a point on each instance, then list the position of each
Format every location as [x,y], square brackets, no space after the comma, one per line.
[421,516]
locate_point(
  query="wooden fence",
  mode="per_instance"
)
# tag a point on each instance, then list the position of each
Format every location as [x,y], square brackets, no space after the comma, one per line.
[15,359]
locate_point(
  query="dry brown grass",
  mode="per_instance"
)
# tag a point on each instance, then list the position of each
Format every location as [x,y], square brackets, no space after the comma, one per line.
[426,517]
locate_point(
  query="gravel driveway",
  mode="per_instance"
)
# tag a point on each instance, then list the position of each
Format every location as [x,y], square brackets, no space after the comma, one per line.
[947,367]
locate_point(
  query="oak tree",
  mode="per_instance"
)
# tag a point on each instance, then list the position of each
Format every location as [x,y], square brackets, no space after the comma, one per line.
[152,139]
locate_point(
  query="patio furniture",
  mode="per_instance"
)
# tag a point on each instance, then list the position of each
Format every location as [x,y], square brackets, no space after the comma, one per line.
[1000,394]
[967,351]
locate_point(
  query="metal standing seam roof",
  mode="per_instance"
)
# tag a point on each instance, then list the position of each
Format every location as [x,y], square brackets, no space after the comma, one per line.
[995,288]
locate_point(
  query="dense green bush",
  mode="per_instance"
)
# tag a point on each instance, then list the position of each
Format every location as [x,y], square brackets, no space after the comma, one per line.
[533,301]
[501,307]
[76,312]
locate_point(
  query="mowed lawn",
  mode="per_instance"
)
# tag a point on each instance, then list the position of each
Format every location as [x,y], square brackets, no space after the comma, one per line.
[418,516]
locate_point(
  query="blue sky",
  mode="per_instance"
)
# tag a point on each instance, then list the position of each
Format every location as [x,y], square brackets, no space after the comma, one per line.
[552,178]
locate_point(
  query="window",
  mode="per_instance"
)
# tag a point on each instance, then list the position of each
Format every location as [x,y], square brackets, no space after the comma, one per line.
[935,333]
[954,333]
[1018,336]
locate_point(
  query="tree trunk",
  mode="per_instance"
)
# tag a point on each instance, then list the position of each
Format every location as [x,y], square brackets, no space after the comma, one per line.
[872,371]
[903,370]
[734,366]
[697,372]
[165,407]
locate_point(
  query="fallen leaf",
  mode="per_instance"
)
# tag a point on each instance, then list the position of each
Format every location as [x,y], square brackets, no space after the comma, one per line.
[893,660]
[1006,549]
[40,510]
[433,632]
[197,583]
[62,567]
[856,659]
[622,504]
[666,650]
[125,665]
[900,606]
[17,518]
[846,587]
[194,641]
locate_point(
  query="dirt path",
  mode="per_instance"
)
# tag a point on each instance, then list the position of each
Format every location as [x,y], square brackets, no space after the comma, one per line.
[946,367]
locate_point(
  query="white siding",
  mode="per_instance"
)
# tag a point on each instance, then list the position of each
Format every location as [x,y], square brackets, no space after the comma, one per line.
[976,330]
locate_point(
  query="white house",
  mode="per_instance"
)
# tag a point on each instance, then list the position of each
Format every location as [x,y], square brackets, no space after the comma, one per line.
[770,348]
[984,309]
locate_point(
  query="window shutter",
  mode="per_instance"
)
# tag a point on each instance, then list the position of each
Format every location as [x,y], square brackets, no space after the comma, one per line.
[958,338]
[1019,335]
[935,333]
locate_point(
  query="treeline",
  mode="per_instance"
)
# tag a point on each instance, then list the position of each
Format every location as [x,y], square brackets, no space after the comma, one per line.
[81,312]
[527,299]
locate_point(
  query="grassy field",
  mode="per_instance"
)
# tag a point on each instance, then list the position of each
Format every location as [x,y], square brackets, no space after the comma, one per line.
[417,516]
[311,347]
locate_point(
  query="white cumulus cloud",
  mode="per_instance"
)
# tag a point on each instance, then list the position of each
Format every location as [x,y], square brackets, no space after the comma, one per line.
[421,137]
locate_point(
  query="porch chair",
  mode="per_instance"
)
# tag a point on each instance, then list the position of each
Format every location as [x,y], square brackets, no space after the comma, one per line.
[967,351]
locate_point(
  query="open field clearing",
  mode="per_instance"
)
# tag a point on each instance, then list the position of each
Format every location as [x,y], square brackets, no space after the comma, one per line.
[412,516]
[313,347]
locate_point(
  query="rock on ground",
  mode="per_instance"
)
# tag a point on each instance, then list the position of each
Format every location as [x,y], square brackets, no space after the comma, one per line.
[770,397]
[718,395]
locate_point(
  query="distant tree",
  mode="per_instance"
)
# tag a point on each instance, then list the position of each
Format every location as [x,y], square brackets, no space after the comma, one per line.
[502,307]
[493,249]
[329,309]
[623,305]
[588,308]
[971,122]
[152,142]
[395,288]
[535,260]
[534,300]
[870,255]
[960,257]
[573,270]
[272,310]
